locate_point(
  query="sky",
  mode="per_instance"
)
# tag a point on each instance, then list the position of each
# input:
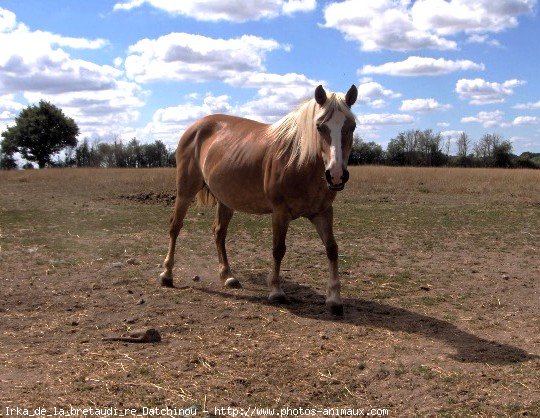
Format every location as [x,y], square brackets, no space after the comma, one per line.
[149,68]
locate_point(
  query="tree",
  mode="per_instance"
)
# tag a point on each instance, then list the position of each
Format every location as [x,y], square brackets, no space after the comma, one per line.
[493,151]
[463,145]
[40,132]
[7,160]
[365,152]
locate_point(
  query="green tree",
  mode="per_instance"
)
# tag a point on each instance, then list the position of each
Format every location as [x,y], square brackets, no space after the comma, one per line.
[40,131]
[365,152]
[493,151]
[7,160]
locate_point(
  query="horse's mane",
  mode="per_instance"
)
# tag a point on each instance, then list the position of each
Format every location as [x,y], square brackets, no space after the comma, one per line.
[296,133]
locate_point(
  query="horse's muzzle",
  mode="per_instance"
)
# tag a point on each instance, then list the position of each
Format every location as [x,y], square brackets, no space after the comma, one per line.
[344,179]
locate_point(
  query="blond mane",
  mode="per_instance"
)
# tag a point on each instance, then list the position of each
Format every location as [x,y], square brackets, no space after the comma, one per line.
[296,133]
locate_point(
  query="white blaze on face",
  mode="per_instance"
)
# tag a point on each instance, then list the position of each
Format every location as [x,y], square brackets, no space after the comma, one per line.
[335,163]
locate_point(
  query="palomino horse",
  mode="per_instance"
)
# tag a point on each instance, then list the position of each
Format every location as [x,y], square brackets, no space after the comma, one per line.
[289,169]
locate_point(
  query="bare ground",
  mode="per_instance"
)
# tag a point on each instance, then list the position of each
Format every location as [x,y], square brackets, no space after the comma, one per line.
[440,275]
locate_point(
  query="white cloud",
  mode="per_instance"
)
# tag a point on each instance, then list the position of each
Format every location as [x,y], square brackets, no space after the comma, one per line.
[488,119]
[524,143]
[479,91]
[32,64]
[385,119]
[482,39]
[238,62]
[98,112]
[183,56]
[422,105]
[530,105]
[8,20]
[270,80]
[9,108]
[220,10]
[374,94]
[277,95]
[526,120]
[420,66]
[443,124]
[451,135]
[405,25]
[70,42]
[29,61]
[292,6]
[169,123]
[381,24]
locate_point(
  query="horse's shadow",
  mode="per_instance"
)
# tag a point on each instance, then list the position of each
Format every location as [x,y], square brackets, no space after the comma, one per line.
[305,302]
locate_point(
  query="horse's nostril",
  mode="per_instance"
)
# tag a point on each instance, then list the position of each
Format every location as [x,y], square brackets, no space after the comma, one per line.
[345,176]
[328,176]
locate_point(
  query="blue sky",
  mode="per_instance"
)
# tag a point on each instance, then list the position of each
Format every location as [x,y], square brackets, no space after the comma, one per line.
[149,68]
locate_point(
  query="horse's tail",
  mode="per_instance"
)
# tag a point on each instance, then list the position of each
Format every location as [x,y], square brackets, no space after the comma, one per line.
[205,197]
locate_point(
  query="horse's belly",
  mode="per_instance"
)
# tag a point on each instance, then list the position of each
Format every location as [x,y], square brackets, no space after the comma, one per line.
[240,191]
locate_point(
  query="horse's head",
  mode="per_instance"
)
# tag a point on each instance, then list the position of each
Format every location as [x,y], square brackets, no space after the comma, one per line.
[335,125]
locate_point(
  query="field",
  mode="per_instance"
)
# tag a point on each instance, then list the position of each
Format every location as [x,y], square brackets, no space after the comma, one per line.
[441,282]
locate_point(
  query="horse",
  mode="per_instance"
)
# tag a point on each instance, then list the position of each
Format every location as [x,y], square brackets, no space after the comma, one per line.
[290,169]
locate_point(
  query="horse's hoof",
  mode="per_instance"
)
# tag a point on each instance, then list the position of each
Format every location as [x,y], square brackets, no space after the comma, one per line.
[166,281]
[233,283]
[335,309]
[278,298]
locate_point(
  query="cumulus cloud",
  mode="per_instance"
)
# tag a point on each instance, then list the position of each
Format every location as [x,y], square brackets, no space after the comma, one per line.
[170,122]
[276,96]
[9,108]
[422,105]
[452,135]
[374,94]
[482,39]
[479,91]
[33,63]
[8,20]
[443,124]
[98,112]
[488,119]
[530,105]
[219,10]
[420,66]
[184,56]
[238,62]
[404,25]
[385,119]
[525,120]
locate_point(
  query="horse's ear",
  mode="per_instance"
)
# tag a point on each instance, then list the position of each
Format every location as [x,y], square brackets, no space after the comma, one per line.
[351,96]
[320,95]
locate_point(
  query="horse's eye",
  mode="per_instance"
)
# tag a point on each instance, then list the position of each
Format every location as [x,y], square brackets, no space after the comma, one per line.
[319,127]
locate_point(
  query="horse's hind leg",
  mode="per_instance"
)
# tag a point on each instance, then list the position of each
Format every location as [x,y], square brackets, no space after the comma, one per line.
[177,221]
[221,222]
[188,184]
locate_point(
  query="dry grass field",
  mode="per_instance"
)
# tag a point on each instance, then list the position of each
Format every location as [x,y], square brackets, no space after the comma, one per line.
[441,282]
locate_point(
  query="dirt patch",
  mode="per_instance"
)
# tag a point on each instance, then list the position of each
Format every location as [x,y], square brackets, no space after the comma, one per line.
[151,198]
[441,297]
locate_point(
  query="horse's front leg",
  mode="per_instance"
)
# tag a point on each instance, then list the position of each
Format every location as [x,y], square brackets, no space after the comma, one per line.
[323,224]
[280,224]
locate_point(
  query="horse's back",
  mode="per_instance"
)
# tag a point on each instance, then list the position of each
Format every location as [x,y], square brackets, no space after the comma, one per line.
[229,152]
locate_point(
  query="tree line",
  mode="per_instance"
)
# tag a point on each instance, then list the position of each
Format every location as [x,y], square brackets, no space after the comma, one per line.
[117,154]
[42,131]
[42,134]
[430,149]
